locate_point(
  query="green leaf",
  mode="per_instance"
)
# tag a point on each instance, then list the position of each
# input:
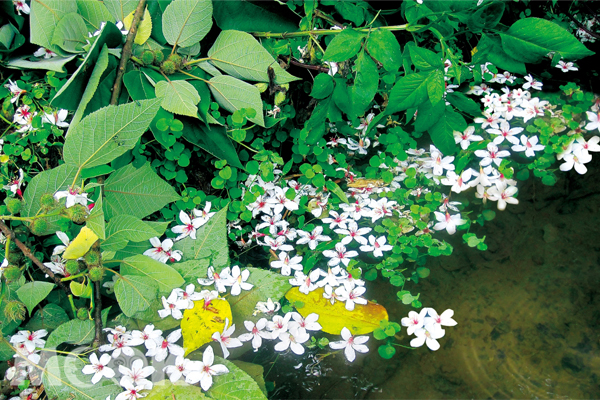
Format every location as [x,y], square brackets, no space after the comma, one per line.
[486,17]
[214,141]
[138,192]
[343,46]
[211,242]
[384,47]
[322,86]
[235,385]
[53,64]
[122,229]
[76,332]
[70,94]
[186,22]
[531,39]
[179,390]
[119,9]
[424,59]
[490,49]
[138,86]
[132,249]
[335,189]
[408,92]
[90,89]
[94,13]
[233,94]
[365,84]
[165,277]
[135,293]
[267,284]
[178,97]
[436,86]
[32,293]
[241,56]
[70,33]
[50,317]
[464,104]
[47,182]
[442,133]
[63,379]
[109,132]
[386,351]
[249,17]
[44,18]
[428,115]
[95,221]
[6,351]
[192,269]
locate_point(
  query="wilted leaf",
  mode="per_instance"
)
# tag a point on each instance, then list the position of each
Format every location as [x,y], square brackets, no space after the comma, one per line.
[199,323]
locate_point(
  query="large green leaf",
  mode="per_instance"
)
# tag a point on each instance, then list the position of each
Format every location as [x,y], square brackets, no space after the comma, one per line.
[165,277]
[132,249]
[90,89]
[70,33]
[47,182]
[44,18]
[135,293]
[178,97]
[442,133]
[464,104]
[76,332]
[235,385]
[531,39]
[186,22]
[249,17]
[211,242]
[53,64]
[109,132]
[486,17]
[343,46]
[214,141]
[490,49]
[63,379]
[384,47]
[179,390]
[95,221]
[119,9]
[240,55]
[50,317]
[425,59]
[138,86]
[267,284]
[69,95]
[32,293]
[233,94]
[94,12]
[122,229]
[409,91]
[138,192]
[428,115]
[365,84]
[192,269]
[436,86]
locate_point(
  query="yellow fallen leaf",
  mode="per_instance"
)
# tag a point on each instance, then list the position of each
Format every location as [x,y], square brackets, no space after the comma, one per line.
[144,28]
[199,323]
[80,245]
[333,317]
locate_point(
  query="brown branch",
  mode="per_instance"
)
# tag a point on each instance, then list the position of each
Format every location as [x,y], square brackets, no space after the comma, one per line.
[126,54]
[583,28]
[315,67]
[9,233]
[99,339]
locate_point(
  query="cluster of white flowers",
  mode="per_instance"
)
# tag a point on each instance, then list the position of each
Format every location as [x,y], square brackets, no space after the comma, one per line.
[583,34]
[27,345]
[427,326]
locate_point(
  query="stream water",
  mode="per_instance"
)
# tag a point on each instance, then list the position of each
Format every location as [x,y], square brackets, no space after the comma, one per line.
[528,313]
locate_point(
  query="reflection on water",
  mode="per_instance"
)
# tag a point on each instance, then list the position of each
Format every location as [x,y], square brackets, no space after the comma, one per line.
[528,313]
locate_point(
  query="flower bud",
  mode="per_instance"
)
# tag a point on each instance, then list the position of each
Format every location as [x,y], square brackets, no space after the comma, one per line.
[148,57]
[47,201]
[77,213]
[14,205]
[14,256]
[92,258]
[159,57]
[38,226]
[12,273]
[82,313]
[176,59]
[72,267]
[14,311]
[168,67]
[96,274]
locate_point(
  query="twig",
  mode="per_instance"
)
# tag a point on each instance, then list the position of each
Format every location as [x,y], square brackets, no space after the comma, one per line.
[126,54]
[10,234]
[315,67]
[582,27]
[98,340]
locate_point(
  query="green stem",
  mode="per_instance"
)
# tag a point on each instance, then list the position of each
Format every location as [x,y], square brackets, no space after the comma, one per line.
[249,148]
[73,308]
[194,76]
[192,62]
[70,278]
[27,219]
[326,31]
[401,345]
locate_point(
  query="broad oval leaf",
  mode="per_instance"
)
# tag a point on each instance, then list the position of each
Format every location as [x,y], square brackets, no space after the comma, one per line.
[122,229]
[178,97]
[135,293]
[144,28]
[165,277]
[409,91]
[50,317]
[75,331]
[333,317]
[531,39]
[45,16]
[94,13]
[109,132]
[70,33]
[178,390]
[441,132]
[384,47]
[233,94]
[214,140]
[119,9]
[242,56]
[186,22]
[138,192]
[343,46]
[234,385]
[32,293]
[95,221]
[365,84]
[248,17]
[63,379]
[199,323]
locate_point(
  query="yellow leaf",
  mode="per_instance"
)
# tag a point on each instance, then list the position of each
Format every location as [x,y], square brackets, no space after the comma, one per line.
[333,317]
[144,28]
[199,323]
[81,244]
[474,51]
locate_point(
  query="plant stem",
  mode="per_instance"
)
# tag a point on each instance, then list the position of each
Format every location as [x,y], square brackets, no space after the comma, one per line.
[192,62]
[98,314]
[326,31]
[27,252]
[194,76]
[126,54]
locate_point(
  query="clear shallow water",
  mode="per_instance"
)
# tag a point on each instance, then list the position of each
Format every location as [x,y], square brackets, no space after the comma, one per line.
[528,313]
